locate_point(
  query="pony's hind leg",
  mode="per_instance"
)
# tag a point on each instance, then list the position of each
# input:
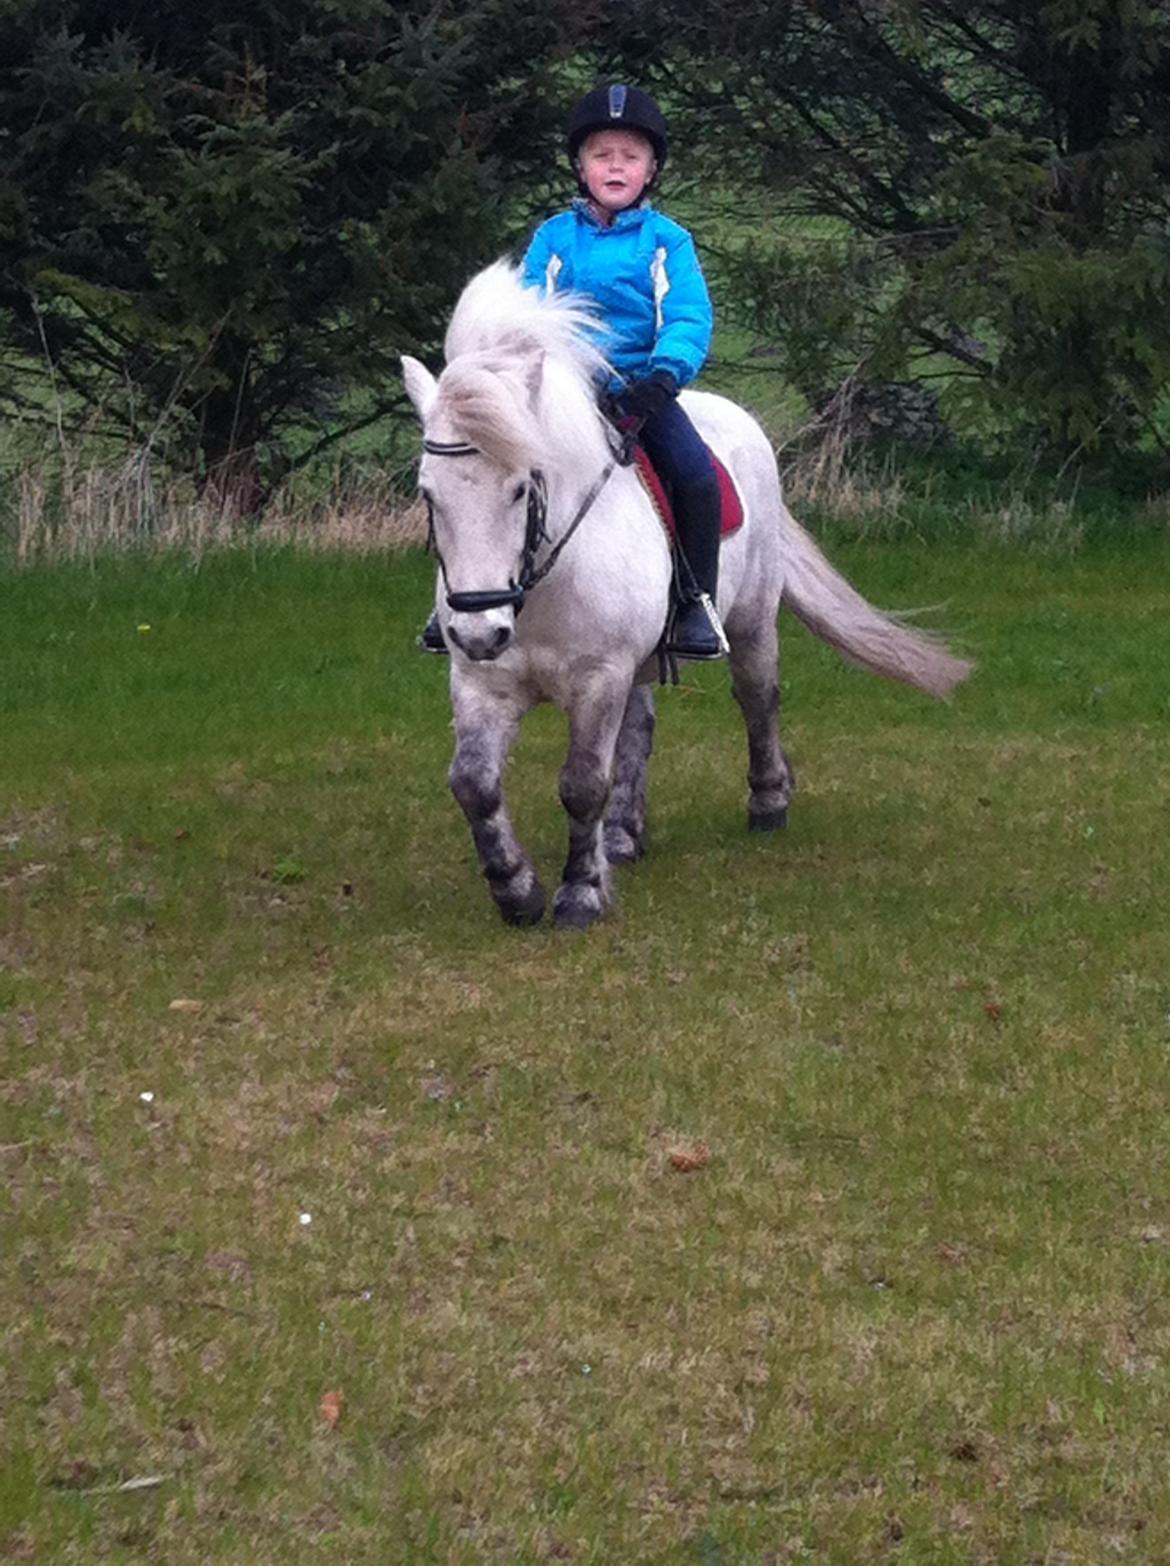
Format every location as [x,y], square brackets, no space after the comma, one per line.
[625,819]
[484,734]
[585,890]
[755,680]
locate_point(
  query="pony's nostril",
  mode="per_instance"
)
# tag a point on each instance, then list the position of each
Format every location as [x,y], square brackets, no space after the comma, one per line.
[454,636]
[501,637]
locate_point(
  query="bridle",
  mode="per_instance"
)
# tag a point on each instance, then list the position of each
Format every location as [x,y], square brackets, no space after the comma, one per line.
[535,534]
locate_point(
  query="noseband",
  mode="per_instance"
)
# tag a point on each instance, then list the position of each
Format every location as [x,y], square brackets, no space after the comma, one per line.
[535,534]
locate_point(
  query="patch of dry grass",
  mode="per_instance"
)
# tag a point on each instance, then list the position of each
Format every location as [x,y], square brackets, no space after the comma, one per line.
[78,510]
[831,477]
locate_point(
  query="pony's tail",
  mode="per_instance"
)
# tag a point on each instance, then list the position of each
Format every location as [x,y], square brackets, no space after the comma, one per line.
[823,600]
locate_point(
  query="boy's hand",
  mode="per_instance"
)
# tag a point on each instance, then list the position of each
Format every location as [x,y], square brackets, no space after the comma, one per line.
[649,396]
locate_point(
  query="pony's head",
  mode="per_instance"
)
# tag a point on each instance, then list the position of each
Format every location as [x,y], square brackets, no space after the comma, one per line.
[514,408]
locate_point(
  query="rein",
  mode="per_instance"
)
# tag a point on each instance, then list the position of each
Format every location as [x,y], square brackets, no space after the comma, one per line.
[535,534]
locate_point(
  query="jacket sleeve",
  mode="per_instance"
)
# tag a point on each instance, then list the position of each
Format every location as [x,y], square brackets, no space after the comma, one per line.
[541,262]
[683,305]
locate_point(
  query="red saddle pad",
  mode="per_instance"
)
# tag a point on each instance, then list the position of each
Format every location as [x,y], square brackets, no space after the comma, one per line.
[731,507]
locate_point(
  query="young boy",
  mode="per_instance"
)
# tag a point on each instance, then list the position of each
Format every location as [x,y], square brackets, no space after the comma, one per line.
[641,271]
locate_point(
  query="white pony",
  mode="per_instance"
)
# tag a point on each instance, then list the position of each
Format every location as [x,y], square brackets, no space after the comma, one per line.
[530,511]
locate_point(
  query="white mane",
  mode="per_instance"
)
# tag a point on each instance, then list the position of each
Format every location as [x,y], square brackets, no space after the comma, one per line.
[521,376]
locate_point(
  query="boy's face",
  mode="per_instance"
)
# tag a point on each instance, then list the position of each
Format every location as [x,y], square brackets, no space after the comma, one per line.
[616,166]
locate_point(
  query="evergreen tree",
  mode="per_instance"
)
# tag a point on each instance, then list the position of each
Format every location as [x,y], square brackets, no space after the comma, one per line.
[998,173]
[222,216]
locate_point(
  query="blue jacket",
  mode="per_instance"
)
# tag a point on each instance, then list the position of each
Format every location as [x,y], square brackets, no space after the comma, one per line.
[642,273]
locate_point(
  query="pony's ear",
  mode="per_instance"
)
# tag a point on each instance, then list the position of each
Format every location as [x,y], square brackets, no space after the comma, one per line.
[421,386]
[533,377]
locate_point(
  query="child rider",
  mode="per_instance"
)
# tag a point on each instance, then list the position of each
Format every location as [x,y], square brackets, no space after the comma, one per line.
[641,272]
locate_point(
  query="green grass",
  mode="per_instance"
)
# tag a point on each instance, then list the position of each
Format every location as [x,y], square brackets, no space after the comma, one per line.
[914,1308]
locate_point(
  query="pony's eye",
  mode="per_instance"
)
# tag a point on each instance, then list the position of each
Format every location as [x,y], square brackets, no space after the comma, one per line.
[521,491]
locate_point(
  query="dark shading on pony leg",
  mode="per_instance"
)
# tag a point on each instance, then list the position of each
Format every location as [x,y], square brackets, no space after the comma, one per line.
[625,820]
[754,660]
[585,891]
[476,782]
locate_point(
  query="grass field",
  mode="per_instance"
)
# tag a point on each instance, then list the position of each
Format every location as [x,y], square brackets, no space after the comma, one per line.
[915,1305]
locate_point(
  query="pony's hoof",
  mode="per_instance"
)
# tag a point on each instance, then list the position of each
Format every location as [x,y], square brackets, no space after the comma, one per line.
[768,820]
[577,907]
[525,909]
[622,847]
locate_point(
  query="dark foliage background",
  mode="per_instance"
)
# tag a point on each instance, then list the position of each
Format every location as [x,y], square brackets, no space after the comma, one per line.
[228,221]
[237,214]
[996,177]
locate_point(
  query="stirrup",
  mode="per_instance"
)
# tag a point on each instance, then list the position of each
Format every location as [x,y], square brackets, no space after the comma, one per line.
[711,615]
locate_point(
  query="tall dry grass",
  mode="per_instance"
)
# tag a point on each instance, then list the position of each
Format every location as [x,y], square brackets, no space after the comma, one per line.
[827,475]
[845,485]
[60,509]
[61,506]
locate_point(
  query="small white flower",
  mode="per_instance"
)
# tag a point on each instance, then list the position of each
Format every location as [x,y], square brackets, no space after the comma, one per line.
[147,1098]
[305,1220]
[586,1370]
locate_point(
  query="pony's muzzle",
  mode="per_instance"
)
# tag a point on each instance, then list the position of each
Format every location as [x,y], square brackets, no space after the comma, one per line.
[482,637]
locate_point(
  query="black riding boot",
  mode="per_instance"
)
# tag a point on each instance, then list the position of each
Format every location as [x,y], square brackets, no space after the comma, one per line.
[431,640]
[696,632]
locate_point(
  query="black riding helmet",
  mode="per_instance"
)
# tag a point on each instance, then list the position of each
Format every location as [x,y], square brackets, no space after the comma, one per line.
[617,108]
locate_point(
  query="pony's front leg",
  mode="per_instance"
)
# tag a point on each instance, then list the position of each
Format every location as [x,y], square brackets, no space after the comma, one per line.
[484,730]
[585,890]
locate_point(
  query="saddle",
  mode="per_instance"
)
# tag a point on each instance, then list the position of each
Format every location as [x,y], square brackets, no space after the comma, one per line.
[730,505]
[632,453]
